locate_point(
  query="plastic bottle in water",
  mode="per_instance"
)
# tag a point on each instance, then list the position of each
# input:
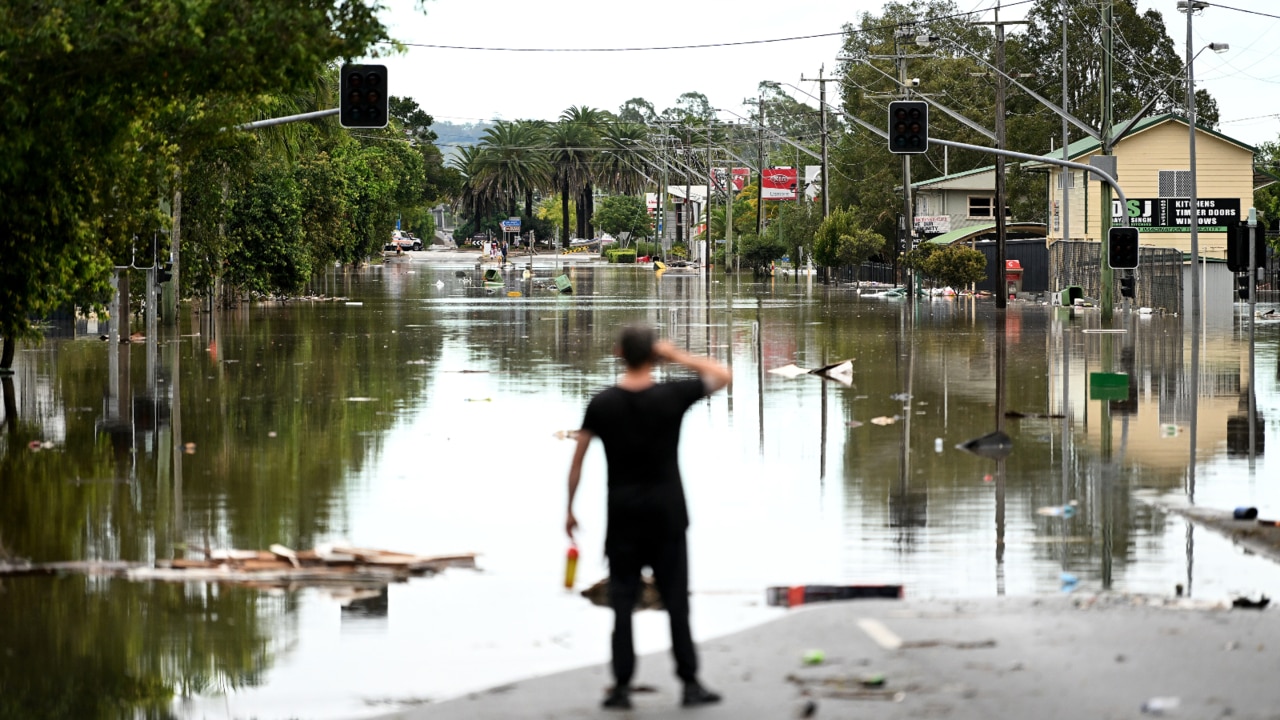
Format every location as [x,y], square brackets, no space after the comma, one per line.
[570,567]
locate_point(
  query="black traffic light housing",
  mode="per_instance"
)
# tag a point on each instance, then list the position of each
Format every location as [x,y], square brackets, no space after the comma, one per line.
[164,273]
[1238,247]
[1122,248]
[908,127]
[363,97]
[1242,285]
[1127,286]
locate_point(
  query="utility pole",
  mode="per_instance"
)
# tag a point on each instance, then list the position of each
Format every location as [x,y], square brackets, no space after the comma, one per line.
[711,181]
[1108,141]
[822,105]
[688,194]
[1066,134]
[1002,291]
[906,222]
[760,187]
[908,215]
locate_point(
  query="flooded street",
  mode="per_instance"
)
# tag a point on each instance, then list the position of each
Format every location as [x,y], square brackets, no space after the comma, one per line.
[422,413]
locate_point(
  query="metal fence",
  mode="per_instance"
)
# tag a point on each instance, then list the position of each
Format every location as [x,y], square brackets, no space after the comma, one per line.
[1159,273]
[866,272]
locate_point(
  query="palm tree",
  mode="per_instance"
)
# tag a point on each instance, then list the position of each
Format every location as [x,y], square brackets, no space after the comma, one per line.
[569,146]
[474,195]
[593,121]
[513,163]
[620,165]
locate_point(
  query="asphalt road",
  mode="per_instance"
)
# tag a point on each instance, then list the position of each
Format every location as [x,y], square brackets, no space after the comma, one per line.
[1072,656]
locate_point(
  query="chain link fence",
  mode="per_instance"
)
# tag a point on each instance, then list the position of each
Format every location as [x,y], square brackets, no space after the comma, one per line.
[1159,273]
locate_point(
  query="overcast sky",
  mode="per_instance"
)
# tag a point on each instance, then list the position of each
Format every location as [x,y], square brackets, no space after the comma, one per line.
[471,85]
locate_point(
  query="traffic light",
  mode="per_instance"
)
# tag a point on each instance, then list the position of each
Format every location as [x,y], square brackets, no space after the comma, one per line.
[1242,286]
[908,127]
[164,273]
[1126,286]
[1238,247]
[1122,248]
[363,102]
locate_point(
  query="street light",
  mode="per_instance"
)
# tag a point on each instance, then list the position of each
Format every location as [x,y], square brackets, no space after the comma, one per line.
[1189,7]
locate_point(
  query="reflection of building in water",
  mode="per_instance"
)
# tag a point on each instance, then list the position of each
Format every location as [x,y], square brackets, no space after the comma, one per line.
[1154,352]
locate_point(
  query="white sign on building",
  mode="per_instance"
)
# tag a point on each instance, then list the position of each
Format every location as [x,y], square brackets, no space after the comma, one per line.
[933,224]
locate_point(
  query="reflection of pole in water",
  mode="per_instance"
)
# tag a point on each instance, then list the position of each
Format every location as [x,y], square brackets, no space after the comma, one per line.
[1195,409]
[175,428]
[728,325]
[1002,339]
[758,334]
[822,439]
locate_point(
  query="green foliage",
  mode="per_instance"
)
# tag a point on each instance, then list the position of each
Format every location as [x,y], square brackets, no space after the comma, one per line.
[621,255]
[679,251]
[956,265]
[795,227]
[103,102]
[645,248]
[757,252]
[842,240]
[915,258]
[622,213]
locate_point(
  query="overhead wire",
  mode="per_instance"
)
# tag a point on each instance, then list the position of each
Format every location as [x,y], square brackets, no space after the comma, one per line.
[700,46]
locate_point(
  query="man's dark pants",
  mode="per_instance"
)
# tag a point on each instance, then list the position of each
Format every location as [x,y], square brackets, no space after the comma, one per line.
[669,559]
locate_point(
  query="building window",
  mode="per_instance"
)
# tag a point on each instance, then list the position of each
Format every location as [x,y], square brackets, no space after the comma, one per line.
[923,201]
[1175,183]
[1066,180]
[981,206]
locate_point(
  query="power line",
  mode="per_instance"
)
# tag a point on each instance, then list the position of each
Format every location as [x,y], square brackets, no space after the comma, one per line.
[1251,12]
[702,46]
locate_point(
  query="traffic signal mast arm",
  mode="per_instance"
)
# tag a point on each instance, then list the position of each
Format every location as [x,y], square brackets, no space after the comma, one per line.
[1101,174]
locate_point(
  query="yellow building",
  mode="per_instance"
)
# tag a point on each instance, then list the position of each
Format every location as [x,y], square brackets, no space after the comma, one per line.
[1154,170]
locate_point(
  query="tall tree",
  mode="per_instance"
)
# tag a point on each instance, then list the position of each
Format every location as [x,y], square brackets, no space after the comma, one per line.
[78,166]
[593,122]
[514,164]
[637,110]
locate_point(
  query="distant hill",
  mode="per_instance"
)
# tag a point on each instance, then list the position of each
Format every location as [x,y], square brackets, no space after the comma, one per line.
[451,136]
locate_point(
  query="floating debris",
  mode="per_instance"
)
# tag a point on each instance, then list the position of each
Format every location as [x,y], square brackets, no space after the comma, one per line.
[841,372]
[648,599]
[996,445]
[884,420]
[277,567]
[1066,511]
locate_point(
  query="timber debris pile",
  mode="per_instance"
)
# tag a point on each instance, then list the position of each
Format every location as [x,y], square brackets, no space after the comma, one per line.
[277,567]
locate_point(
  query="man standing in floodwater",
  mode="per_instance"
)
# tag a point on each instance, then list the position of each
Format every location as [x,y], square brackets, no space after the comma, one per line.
[638,420]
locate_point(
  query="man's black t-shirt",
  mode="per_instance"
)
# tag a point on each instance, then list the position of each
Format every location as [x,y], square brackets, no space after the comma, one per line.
[640,430]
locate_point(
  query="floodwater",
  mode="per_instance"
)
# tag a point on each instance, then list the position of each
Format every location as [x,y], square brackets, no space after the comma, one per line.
[422,414]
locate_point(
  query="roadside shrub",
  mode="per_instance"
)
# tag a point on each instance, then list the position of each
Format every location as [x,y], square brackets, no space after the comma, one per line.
[622,255]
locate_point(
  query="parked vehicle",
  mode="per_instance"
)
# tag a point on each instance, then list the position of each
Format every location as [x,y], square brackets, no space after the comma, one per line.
[405,241]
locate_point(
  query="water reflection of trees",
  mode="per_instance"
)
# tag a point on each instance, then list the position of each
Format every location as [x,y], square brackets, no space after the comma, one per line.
[76,647]
[265,397]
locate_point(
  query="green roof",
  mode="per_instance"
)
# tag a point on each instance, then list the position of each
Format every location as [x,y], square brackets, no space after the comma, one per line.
[953,176]
[965,233]
[1087,145]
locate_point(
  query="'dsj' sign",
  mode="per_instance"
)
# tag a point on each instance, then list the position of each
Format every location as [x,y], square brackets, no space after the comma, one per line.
[1174,214]
[779,184]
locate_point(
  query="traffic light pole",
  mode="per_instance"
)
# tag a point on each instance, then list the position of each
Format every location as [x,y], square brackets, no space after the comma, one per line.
[271,122]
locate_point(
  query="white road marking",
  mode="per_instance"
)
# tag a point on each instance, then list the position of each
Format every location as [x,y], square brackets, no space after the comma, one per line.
[883,636]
